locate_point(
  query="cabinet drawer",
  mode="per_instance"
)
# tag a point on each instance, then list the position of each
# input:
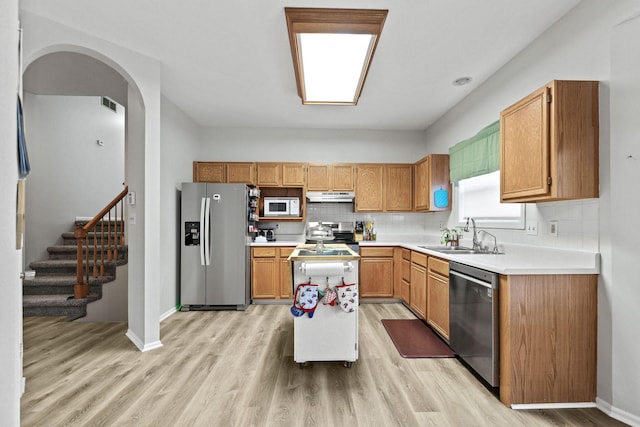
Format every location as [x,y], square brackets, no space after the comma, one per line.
[264,252]
[419,258]
[285,252]
[376,252]
[406,254]
[439,266]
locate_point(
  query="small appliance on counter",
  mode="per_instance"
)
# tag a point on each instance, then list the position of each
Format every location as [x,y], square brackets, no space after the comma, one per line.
[268,233]
[359,231]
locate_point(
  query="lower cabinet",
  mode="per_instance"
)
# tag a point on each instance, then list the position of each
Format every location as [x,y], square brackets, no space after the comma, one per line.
[418,300]
[376,272]
[438,295]
[270,272]
[405,276]
[548,338]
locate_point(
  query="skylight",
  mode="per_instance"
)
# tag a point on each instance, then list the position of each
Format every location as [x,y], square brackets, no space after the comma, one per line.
[332,50]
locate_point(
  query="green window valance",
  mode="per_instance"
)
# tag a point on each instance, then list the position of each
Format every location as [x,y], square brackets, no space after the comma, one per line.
[477,155]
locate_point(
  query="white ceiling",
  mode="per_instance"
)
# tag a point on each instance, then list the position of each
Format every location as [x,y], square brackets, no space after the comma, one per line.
[228,63]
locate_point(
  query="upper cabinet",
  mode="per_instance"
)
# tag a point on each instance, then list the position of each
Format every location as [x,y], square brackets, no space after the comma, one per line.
[369,188]
[549,144]
[331,177]
[241,173]
[431,174]
[281,174]
[398,187]
[384,187]
[221,172]
[209,172]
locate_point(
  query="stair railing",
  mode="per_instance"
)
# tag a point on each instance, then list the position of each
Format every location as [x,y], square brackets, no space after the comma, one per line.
[114,239]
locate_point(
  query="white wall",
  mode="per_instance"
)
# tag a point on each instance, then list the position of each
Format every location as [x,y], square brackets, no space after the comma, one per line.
[624,284]
[72,176]
[180,139]
[578,47]
[311,145]
[10,258]
[142,168]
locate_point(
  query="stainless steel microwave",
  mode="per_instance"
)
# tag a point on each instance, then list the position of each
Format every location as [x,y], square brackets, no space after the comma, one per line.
[281,206]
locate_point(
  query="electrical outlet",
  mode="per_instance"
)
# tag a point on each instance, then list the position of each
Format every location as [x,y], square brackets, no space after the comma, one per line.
[532,228]
[553,228]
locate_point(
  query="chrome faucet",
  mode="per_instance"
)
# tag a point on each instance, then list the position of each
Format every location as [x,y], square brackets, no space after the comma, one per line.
[476,244]
[495,242]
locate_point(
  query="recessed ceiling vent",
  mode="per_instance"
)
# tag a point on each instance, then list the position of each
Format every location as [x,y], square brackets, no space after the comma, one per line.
[109,103]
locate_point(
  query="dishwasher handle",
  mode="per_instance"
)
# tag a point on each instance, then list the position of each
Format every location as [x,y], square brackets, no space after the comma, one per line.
[471,279]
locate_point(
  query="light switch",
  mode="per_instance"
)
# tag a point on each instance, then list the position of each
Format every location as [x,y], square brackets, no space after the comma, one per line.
[132,218]
[532,228]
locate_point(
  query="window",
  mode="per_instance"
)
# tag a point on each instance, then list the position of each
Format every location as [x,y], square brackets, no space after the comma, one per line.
[479,197]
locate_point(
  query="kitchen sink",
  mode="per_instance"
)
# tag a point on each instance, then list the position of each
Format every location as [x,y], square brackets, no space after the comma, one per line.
[326,252]
[460,250]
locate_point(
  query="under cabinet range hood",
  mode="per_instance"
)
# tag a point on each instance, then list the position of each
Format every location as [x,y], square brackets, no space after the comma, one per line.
[331,196]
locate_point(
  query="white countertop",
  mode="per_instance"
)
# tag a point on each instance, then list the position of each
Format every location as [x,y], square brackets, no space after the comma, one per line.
[517,259]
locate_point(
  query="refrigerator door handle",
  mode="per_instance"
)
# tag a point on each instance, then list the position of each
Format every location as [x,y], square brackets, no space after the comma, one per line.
[207,232]
[202,235]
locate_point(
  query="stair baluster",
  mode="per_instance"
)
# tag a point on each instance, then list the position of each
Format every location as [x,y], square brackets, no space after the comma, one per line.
[81,289]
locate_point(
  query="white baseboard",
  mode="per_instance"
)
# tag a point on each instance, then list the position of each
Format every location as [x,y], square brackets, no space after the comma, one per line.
[168,313]
[562,405]
[141,346]
[618,414]
[23,385]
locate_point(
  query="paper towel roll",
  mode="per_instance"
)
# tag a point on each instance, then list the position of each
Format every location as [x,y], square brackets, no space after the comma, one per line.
[323,269]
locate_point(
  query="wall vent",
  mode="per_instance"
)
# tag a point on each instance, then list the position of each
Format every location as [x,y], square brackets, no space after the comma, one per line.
[108,103]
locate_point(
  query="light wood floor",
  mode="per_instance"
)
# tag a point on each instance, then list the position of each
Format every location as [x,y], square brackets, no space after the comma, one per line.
[227,368]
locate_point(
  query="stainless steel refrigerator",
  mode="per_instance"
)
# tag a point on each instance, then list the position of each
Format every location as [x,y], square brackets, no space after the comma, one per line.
[215,264]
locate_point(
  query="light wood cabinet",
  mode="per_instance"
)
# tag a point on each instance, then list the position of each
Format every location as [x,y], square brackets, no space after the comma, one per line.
[398,186]
[330,177]
[419,283]
[438,296]
[405,276]
[384,187]
[269,174]
[549,144]
[209,172]
[369,188]
[264,272]
[431,174]
[281,174]
[286,279]
[376,272]
[270,272]
[548,338]
[294,174]
[221,172]
[241,173]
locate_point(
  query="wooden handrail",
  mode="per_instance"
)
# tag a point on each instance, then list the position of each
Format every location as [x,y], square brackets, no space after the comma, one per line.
[81,289]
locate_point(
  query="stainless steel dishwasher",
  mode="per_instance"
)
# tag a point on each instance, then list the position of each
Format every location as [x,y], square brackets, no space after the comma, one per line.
[473,318]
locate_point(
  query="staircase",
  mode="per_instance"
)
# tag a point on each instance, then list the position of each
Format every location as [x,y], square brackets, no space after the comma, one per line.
[51,291]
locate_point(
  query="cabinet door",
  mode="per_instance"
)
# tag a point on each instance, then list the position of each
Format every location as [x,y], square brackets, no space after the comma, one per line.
[241,173]
[524,147]
[419,290]
[369,188]
[269,174]
[318,177]
[376,277]
[264,276]
[439,179]
[208,172]
[294,174]
[438,303]
[399,187]
[422,186]
[343,177]
[286,279]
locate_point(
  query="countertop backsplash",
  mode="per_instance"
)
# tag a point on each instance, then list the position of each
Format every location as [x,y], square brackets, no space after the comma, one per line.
[577,224]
